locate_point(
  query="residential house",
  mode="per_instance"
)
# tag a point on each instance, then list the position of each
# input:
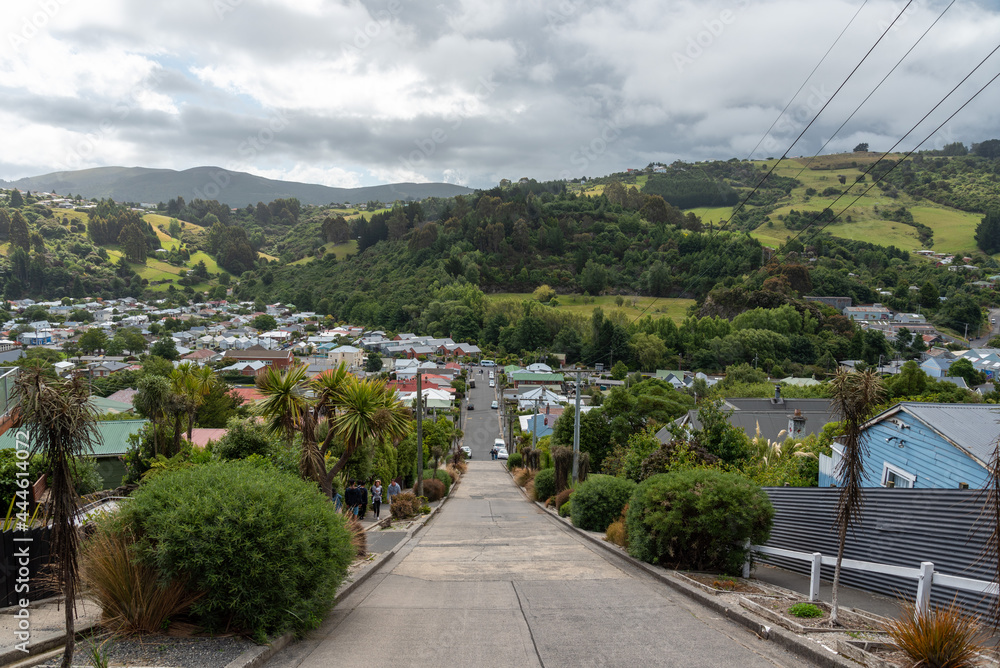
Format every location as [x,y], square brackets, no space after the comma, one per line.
[279,359]
[522,378]
[102,369]
[797,418]
[924,445]
[353,357]
[872,312]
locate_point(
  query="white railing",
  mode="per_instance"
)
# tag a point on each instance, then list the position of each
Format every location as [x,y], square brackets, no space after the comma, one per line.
[925,575]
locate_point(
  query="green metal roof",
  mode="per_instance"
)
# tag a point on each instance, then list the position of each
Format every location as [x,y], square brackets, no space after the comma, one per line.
[510,368]
[112,437]
[523,376]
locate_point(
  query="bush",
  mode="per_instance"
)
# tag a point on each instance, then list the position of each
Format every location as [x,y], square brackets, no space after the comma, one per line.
[266,548]
[404,506]
[433,489]
[514,461]
[545,484]
[599,500]
[442,476]
[132,596]
[523,476]
[563,497]
[359,538]
[617,533]
[244,438]
[453,472]
[937,637]
[699,519]
[565,509]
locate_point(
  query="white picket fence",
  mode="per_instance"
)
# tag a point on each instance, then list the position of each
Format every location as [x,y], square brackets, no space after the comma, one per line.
[925,575]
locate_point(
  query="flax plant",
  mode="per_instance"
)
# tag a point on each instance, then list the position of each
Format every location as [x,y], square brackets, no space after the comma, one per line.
[854,398]
[60,425]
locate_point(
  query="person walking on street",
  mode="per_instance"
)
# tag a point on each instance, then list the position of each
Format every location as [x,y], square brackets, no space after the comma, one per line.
[351,498]
[376,497]
[393,490]
[362,501]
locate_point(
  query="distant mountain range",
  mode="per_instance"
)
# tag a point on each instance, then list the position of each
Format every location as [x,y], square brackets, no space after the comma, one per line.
[237,189]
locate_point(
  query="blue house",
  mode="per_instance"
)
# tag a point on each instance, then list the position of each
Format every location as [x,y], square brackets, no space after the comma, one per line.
[925,446]
[936,367]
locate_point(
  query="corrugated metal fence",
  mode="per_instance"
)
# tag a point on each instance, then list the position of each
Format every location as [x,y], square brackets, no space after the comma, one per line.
[898,526]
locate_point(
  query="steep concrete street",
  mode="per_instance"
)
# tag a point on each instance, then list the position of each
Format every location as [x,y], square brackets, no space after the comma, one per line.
[493,581]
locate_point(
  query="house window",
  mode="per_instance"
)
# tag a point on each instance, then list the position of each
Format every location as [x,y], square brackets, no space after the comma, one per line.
[897,476]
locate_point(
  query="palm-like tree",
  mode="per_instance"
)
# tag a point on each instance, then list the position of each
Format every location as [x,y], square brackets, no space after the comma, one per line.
[152,401]
[367,409]
[855,397]
[59,425]
[287,410]
[357,412]
[194,383]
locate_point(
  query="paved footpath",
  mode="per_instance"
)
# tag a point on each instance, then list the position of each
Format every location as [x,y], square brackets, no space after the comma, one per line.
[494,581]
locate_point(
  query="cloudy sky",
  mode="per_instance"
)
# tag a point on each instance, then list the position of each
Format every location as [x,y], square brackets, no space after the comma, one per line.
[362,92]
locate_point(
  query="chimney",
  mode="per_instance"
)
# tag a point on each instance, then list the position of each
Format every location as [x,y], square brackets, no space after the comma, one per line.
[796,424]
[777,395]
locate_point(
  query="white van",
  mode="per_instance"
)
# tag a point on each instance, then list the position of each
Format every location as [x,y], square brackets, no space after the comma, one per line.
[498,443]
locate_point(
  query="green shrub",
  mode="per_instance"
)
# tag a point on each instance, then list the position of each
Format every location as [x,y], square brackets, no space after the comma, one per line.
[266,548]
[441,475]
[404,506]
[564,510]
[805,610]
[514,461]
[433,489]
[545,484]
[598,501]
[244,438]
[699,519]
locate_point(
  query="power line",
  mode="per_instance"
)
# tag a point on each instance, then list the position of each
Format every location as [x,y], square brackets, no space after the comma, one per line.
[818,113]
[804,130]
[877,86]
[821,60]
[908,154]
[883,156]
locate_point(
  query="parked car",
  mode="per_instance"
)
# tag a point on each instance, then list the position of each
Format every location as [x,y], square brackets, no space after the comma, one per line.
[468,451]
[493,383]
[502,453]
[495,404]
[470,407]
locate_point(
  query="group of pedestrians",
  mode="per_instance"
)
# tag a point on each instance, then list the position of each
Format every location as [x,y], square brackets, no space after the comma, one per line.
[356,497]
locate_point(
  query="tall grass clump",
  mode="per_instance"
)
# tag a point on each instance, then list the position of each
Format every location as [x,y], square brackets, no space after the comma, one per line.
[938,638]
[132,596]
[266,548]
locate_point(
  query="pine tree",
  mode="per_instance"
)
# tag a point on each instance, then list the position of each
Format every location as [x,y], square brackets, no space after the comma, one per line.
[19,235]
[988,233]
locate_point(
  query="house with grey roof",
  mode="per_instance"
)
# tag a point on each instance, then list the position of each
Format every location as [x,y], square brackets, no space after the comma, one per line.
[795,417]
[923,445]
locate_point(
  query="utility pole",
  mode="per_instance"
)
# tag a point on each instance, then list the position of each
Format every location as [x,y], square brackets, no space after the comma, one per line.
[534,426]
[420,436]
[576,433]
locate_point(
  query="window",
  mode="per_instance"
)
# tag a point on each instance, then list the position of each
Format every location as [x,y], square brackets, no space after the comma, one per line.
[897,476]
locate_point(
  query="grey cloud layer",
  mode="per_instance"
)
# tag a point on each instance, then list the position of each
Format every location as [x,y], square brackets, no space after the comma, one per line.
[392,89]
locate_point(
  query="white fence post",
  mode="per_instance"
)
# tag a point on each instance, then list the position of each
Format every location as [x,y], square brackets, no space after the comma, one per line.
[924,583]
[814,573]
[749,553]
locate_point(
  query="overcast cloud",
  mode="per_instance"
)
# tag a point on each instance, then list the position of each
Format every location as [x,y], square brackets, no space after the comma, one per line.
[468,91]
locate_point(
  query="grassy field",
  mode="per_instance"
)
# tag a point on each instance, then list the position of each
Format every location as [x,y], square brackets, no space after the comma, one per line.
[633,307]
[954,231]
[340,251]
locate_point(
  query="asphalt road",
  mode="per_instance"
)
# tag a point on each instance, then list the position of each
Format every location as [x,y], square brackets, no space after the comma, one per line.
[494,581]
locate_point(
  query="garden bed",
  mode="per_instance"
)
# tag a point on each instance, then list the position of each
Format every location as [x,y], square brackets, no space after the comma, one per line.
[724,584]
[775,609]
[877,654]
